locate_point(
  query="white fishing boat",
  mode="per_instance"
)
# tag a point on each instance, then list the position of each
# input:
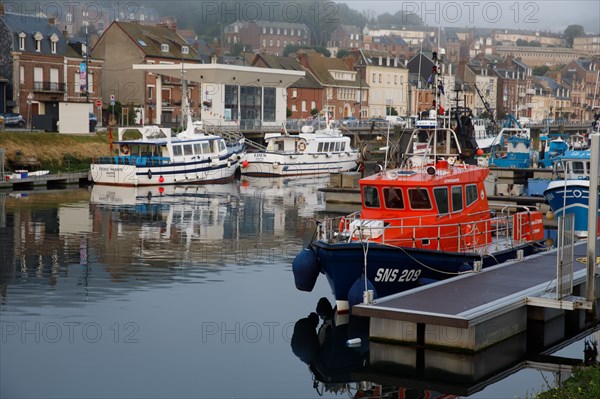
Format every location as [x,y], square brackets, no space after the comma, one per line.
[160,157]
[311,152]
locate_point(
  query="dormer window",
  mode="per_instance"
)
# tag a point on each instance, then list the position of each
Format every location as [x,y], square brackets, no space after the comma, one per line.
[53,43]
[164,48]
[185,50]
[22,37]
[38,41]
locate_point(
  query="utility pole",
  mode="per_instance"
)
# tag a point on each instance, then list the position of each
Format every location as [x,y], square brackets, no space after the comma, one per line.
[87,69]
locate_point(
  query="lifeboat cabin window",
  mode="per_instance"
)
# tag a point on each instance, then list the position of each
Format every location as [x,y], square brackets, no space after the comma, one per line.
[205,147]
[222,145]
[393,198]
[471,192]
[177,151]
[187,149]
[457,199]
[197,149]
[320,147]
[337,146]
[371,197]
[419,198]
[441,199]
[279,145]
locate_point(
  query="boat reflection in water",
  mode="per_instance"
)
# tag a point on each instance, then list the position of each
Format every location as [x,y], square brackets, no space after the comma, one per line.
[321,341]
[382,370]
[198,211]
[296,192]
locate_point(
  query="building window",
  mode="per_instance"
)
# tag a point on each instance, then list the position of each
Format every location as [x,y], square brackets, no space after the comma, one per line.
[271,42]
[294,108]
[278,31]
[22,36]
[269,104]
[278,43]
[294,93]
[185,50]
[90,82]
[54,79]
[264,43]
[22,75]
[303,106]
[264,30]
[164,48]
[76,82]
[313,105]
[150,92]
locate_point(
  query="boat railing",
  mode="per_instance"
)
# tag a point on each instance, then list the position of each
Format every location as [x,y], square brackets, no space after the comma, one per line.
[133,160]
[483,235]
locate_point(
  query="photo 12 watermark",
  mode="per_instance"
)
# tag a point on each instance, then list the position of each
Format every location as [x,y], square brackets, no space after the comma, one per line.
[68,332]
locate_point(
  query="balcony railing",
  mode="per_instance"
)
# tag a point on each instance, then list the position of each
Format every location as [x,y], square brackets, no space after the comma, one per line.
[53,87]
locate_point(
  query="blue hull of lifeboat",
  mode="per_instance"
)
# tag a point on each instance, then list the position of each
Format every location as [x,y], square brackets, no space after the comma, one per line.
[392,269]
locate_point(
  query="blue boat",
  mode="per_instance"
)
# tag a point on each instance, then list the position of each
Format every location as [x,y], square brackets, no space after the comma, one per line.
[513,147]
[570,195]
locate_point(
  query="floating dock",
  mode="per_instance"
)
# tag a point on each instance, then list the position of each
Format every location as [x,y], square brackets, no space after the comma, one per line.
[48,181]
[476,311]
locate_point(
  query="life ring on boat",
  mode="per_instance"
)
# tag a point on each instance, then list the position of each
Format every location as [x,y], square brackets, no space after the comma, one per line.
[124,149]
[451,161]
[470,235]
[342,226]
[301,147]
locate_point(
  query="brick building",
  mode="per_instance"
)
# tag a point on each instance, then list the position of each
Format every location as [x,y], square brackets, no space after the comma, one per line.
[265,36]
[43,68]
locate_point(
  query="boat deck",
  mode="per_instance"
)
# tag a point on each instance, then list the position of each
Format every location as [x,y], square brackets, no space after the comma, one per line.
[472,299]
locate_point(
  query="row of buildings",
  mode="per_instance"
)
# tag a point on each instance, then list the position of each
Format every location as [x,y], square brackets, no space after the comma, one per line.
[42,65]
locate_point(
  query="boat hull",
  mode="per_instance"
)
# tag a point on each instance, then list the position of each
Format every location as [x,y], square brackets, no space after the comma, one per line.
[279,165]
[570,197]
[193,173]
[395,269]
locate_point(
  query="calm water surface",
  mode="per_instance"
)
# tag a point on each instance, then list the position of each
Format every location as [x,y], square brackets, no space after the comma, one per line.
[187,292]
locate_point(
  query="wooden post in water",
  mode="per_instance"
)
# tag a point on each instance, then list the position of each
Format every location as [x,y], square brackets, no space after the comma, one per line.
[593,218]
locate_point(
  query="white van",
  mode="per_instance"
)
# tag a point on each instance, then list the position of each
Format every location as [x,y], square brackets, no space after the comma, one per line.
[396,121]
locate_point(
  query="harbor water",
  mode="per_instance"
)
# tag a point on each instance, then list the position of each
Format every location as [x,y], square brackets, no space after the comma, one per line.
[182,292]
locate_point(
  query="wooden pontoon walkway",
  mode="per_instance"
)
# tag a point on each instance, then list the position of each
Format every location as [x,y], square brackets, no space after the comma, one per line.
[471,306]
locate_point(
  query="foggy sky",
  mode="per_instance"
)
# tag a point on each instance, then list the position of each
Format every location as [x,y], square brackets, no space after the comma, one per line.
[543,15]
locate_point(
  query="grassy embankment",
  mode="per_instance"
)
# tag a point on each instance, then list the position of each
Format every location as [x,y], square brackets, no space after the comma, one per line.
[585,384]
[52,151]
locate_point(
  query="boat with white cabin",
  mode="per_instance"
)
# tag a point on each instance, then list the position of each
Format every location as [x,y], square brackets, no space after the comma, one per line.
[311,152]
[161,157]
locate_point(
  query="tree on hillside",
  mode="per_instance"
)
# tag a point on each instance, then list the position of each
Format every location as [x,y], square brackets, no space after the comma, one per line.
[342,53]
[540,70]
[292,48]
[399,19]
[571,32]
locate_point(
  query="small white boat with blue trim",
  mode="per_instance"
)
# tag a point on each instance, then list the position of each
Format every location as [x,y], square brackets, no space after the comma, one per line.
[159,157]
[311,152]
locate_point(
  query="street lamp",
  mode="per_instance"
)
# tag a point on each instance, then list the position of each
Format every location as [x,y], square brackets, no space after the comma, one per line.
[29,118]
